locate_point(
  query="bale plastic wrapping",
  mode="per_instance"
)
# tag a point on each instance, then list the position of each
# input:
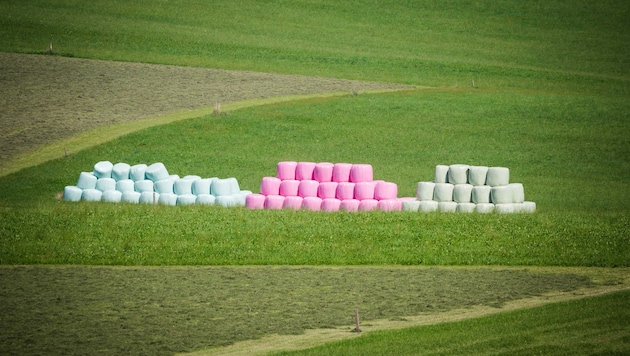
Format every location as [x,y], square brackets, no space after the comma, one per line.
[477,175]
[518,192]
[121,171]
[206,199]
[385,190]
[481,194]
[462,193]
[186,199]
[528,207]
[484,208]
[202,186]
[164,186]
[428,206]
[424,190]
[111,196]
[501,194]
[143,186]
[312,203]
[509,208]
[274,202]
[132,197]
[72,193]
[286,170]
[292,202]
[327,190]
[389,205]
[270,186]
[91,195]
[368,204]
[241,197]
[226,186]
[255,201]
[169,199]
[149,197]
[458,174]
[183,186]
[364,190]
[361,173]
[441,174]
[447,206]
[345,191]
[104,184]
[137,172]
[227,201]
[103,169]
[125,185]
[87,180]
[308,188]
[304,170]
[497,176]
[330,204]
[156,172]
[349,205]
[341,172]
[411,205]
[466,207]
[443,192]
[289,187]
[323,172]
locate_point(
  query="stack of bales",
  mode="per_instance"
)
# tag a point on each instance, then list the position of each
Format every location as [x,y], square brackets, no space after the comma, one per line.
[152,184]
[465,188]
[325,186]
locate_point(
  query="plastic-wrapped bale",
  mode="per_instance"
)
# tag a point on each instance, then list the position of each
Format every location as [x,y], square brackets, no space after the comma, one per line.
[466,207]
[174,177]
[169,199]
[509,208]
[149,197]
[156,172]
[349,205]
[183,186]
[255,201]
[208,199]
[447,206]
[241,197]
[192,177]
[501,194]
[292,202]
[361,173]
[327,190]
[443,192]
[286,170]
[202,186]
[125,185]
[104,184]
[186,199]
[528,207]
[323,172]
[121,171]
[364,190]
[308,188]
[458,173]
[274,202]
[428,206]
[289,187]
[484,208]
[91,195]
[389,205]
[270,186]
[497,176]
[164,186]
[227,186]
[441,174]
[87,180]
[227,201]
[144,185]
[341,172]
[368,204]
[481,194]
[345,191]
[111,196]
[130,197]
[462,193]
[424,190]
[72,193]
[330,204]
[518,192]
[477,175]
[312,203]
[411,205]
[304,170]
[137,172]
[103,169]
[385,190]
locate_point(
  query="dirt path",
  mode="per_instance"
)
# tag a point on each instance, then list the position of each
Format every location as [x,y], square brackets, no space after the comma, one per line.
[47,98]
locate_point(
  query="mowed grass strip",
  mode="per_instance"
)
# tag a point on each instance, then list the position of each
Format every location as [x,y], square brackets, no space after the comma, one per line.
[161,310]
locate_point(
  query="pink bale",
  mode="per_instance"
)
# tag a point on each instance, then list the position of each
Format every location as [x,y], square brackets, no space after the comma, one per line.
[308,188]
[331,204]
[312,203]
[327,190]
[345,191]
[341,172]
[350,205]
[270,186]
[323,172]
[390,205]
[289,187]
[361,173]
[292,202]
[364,190]
[274,202]
[286,170]
[368,205]
[255,201]
[385,190]
[304,170]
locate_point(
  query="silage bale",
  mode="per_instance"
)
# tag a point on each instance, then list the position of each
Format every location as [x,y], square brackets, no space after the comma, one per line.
[424,190]
[361,173]
[484,208]
[286,170]
[528,207]
[327,190]
[87,180]
[227,186]
[304,170]
[241,197]
[144,185]
[292,202]
[312,203]
[501,194]
[410,205]
[121,171]
[428,206]
[274,202]
[368,204]
[104,184]
[466,207]
[447,206]
[103,169]
[182,186]
[156,172]
[270,186]
[323,172]
[289,187]
[164,186]
[462,193]
[169,199]
[389,205]
[477,175]
[364,190]
[202,186]
[330,204]
[508,208]
[441,174]
[207,199]
[72,193]
[349,205]
[518,192]
[192,177]
[308,188]
[130,196]
[443,192]
[186,199]
[111,196]
[91,195]
[149,197]
[341,172]
[137,172]
[226,201]
[125,185]
[497,176]
[345,191]
[481,194]
[385,190]
[458,173]
[255,201]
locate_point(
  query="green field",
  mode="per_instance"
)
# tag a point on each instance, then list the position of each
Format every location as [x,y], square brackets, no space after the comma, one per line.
[540,87]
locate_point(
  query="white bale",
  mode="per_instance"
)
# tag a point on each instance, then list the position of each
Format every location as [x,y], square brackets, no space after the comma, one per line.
[125,185]
[501,194]
[528,207]
[410,205]
[477,175]
[156,172]
[121,171]
[441,174]
[136,172]
[227,186]
[462,193]
[104,184]
[72,193]
[424,191]
[443,192]
[465,207]
[174,177]
[87,180]
[186,199]
[202,186]
[509,208]
[481,194]
[169,199]
[498,176]
[144,185]
[91,195]
[103,169]
[241,197]
[182,186]
[111,196]
[484,208]
[164,186]
[205,199]
[447,206]
[191,177]
[458,174]
[226,201]
[149,197]
[130,197]
[518,192]
[427,206]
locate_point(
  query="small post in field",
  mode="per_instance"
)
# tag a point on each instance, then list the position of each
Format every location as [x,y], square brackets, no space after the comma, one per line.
[356,320]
